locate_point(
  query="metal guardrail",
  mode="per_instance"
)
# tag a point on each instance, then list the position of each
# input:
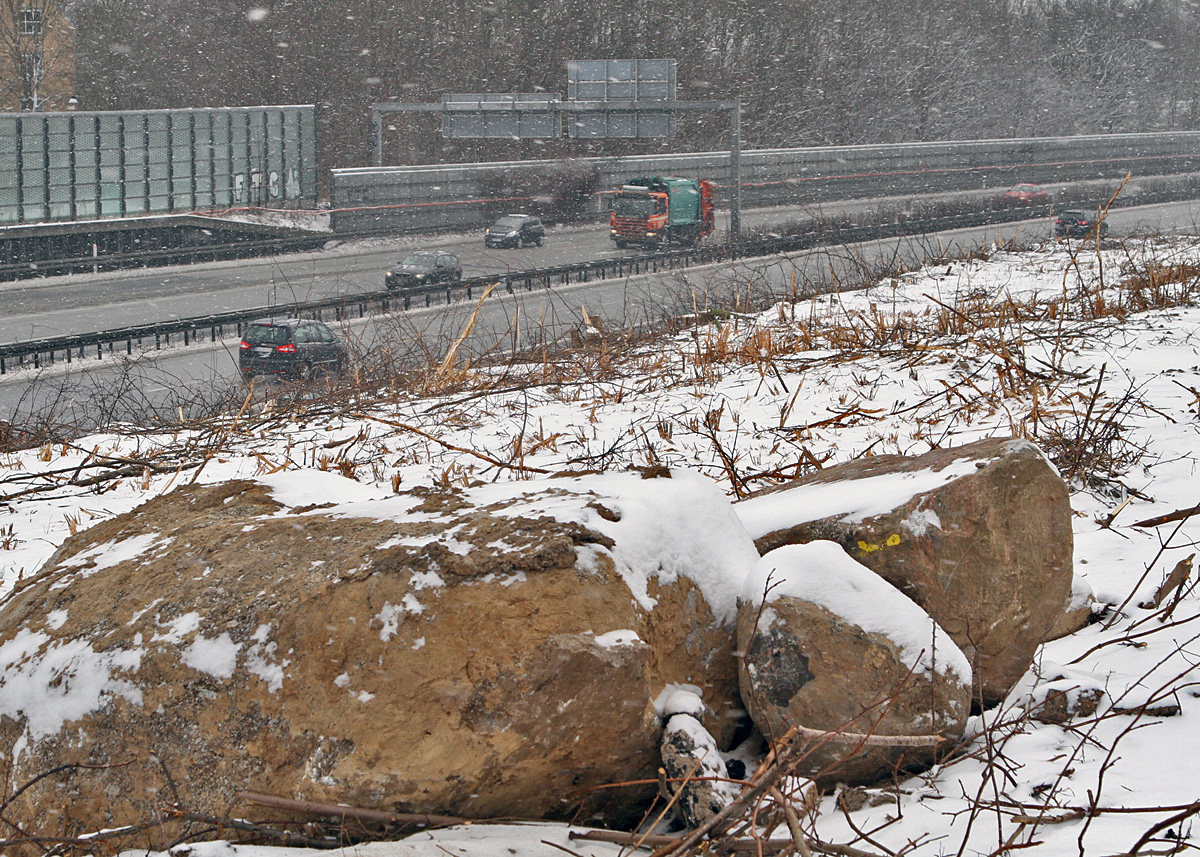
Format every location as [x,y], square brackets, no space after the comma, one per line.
[44,352]
[40,353]
[172,256]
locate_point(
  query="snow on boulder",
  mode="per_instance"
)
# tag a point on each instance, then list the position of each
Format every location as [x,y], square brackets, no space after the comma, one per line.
[978,535]
[829,645]
[493,651]
[1080,610]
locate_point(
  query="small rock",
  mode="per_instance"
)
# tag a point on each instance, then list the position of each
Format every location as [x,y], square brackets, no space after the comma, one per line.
[689,753]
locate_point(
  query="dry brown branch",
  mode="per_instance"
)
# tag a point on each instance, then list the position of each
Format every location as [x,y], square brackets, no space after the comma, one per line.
[1169,517]
[102,478]
[448,361]
[280,837]
[793,822]
[736,846]
[342,811]
[736,482]
[1182,815]
[1027,808]
[1119,611]
[790,750]
[840,420]
[84,845]
[413,429]
[670,803]
[1087,422]
[868,740]
[1175,580]
[1073,815]
[1107,520]
[561,848]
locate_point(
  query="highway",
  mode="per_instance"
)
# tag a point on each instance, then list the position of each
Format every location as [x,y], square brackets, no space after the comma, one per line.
[95,392]
[83,303]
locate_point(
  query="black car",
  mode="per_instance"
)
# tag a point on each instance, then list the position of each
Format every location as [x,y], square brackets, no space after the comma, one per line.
[1077,223]
[292,347]
[424,268]
[513,230]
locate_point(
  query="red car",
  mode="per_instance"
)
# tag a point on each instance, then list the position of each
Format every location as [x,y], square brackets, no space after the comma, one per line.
[1025,193]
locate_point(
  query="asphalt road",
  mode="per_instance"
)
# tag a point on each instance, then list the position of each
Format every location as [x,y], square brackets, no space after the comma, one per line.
[82,303]
[89,302]
[95,392]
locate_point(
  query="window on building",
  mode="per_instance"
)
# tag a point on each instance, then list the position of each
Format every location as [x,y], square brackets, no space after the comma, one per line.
[30,21]
[31,66]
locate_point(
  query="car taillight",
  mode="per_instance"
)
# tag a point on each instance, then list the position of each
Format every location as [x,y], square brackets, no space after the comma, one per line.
[244,345]
[286,349]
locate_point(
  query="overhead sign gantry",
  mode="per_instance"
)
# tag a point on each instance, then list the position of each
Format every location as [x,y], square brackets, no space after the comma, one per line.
[605,99]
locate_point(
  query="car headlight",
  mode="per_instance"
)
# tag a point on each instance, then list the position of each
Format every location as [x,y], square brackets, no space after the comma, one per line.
[512,234]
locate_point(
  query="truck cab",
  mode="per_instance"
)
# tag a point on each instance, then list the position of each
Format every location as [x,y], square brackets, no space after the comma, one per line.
[639,216]
[657,211]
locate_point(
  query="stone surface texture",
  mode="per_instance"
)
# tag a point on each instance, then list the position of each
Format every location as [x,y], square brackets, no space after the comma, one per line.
[978,535]
[486,652]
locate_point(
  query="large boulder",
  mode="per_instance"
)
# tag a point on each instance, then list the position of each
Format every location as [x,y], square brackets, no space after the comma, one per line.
[830,646]
[978,535]
[495,651]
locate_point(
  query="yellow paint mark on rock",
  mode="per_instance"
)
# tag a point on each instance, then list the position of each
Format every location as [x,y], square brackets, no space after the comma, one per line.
[890,542]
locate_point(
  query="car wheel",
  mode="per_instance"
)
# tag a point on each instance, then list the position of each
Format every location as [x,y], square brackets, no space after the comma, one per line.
[538,240]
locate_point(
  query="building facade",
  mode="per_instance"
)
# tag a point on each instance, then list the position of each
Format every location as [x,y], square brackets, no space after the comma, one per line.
[37,57]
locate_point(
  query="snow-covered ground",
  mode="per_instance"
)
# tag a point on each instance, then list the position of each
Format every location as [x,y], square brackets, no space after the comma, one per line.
[1094,356]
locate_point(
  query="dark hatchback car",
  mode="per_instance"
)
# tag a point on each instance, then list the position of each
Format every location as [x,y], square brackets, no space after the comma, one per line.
[514,230]
[293,348]
[424,268]
[1077,223]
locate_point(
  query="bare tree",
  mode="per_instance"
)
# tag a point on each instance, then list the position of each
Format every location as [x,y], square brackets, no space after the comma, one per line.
[808,72]
[37,47]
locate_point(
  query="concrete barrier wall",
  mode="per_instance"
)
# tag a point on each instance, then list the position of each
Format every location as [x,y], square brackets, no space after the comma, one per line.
[466,196]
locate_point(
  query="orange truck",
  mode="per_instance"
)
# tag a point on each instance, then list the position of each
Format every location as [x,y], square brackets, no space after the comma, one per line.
[655,211]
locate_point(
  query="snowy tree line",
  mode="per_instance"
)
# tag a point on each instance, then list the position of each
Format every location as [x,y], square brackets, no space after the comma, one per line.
[808,72]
